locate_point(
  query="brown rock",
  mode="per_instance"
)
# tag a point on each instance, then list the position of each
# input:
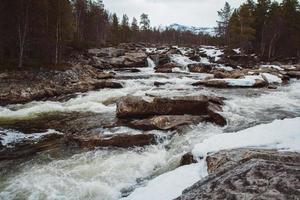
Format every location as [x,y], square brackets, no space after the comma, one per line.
[165,122]
[248,174]
[204,107]
[122,140]
[131,106]
[294,74]
[187,159]
[166,68]
[200,68]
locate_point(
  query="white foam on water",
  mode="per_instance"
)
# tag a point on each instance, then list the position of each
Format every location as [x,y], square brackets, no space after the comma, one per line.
[151,63]
[98,174]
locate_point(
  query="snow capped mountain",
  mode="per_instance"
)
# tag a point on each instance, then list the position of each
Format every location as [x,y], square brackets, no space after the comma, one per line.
[196,30]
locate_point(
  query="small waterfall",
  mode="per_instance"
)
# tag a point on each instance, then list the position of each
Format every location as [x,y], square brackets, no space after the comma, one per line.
[151,63]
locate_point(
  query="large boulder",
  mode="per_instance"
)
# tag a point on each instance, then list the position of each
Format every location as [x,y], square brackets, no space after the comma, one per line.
[200,67]
[128,60]
[166,68]
[106,52]
[137,107]
[248,174]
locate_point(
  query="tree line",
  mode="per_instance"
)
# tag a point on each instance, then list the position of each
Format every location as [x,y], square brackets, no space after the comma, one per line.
[35,32]
[269,29]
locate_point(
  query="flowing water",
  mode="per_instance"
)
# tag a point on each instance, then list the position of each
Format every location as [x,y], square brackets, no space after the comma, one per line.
[110,173]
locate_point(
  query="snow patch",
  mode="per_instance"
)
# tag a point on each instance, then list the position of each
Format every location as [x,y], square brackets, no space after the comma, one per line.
[280,134]
[212,52]
[9,138]
[237,51]
[272,66]
[171,184]
[272,78]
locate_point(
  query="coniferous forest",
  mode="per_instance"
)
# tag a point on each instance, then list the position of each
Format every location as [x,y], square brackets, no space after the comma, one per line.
[102,105]
[46,31]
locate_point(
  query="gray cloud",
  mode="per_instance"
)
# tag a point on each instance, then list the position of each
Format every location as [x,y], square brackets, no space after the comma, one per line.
[165,12]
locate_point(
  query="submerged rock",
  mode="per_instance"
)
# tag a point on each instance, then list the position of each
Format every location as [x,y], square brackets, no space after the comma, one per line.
[248,174]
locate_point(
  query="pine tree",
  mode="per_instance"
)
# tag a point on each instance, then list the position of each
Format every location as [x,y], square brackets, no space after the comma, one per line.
[234,30]
[145,22]
[247,19]
[115,30]
[125,29]
[261,18]
[134,29]
[224,15]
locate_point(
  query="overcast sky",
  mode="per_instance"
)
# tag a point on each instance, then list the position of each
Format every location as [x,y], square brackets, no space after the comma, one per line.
[201,13]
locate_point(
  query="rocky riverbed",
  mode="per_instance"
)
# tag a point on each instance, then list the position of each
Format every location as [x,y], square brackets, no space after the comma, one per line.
[116,123]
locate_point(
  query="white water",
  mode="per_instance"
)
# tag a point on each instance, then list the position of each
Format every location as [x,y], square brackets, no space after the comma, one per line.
[107,173]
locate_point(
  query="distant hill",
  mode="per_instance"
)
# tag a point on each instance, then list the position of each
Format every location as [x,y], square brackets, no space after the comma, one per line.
[196,30]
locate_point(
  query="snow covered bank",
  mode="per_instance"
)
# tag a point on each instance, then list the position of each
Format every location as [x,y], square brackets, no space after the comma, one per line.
[280,134]
[170,185]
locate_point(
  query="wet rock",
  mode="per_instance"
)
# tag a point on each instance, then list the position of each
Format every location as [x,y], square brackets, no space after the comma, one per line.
[137,107]
[195,58]
[157,83]
[165,122]
[22,87]
[187,159]
[121,140]
[107,84]
[27,148]
[220,83]
[294,74]
[234,74]
[129,60]
[131,106]
[248,174]
[200,67]
[160,59]
[166,68]
[107,52]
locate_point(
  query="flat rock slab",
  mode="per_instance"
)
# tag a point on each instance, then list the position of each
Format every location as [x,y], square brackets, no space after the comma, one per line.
[171,110]
[120,140]
[249,174]
[165,122]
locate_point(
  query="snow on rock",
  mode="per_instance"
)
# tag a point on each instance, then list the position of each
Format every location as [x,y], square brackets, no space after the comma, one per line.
[272,66]
[247,81]
[9,138]
[237,51]
[270,78]
[226,68]
[151,50]
[212,52]
[171,184]
[205,60]
[280,134]
[181,60]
